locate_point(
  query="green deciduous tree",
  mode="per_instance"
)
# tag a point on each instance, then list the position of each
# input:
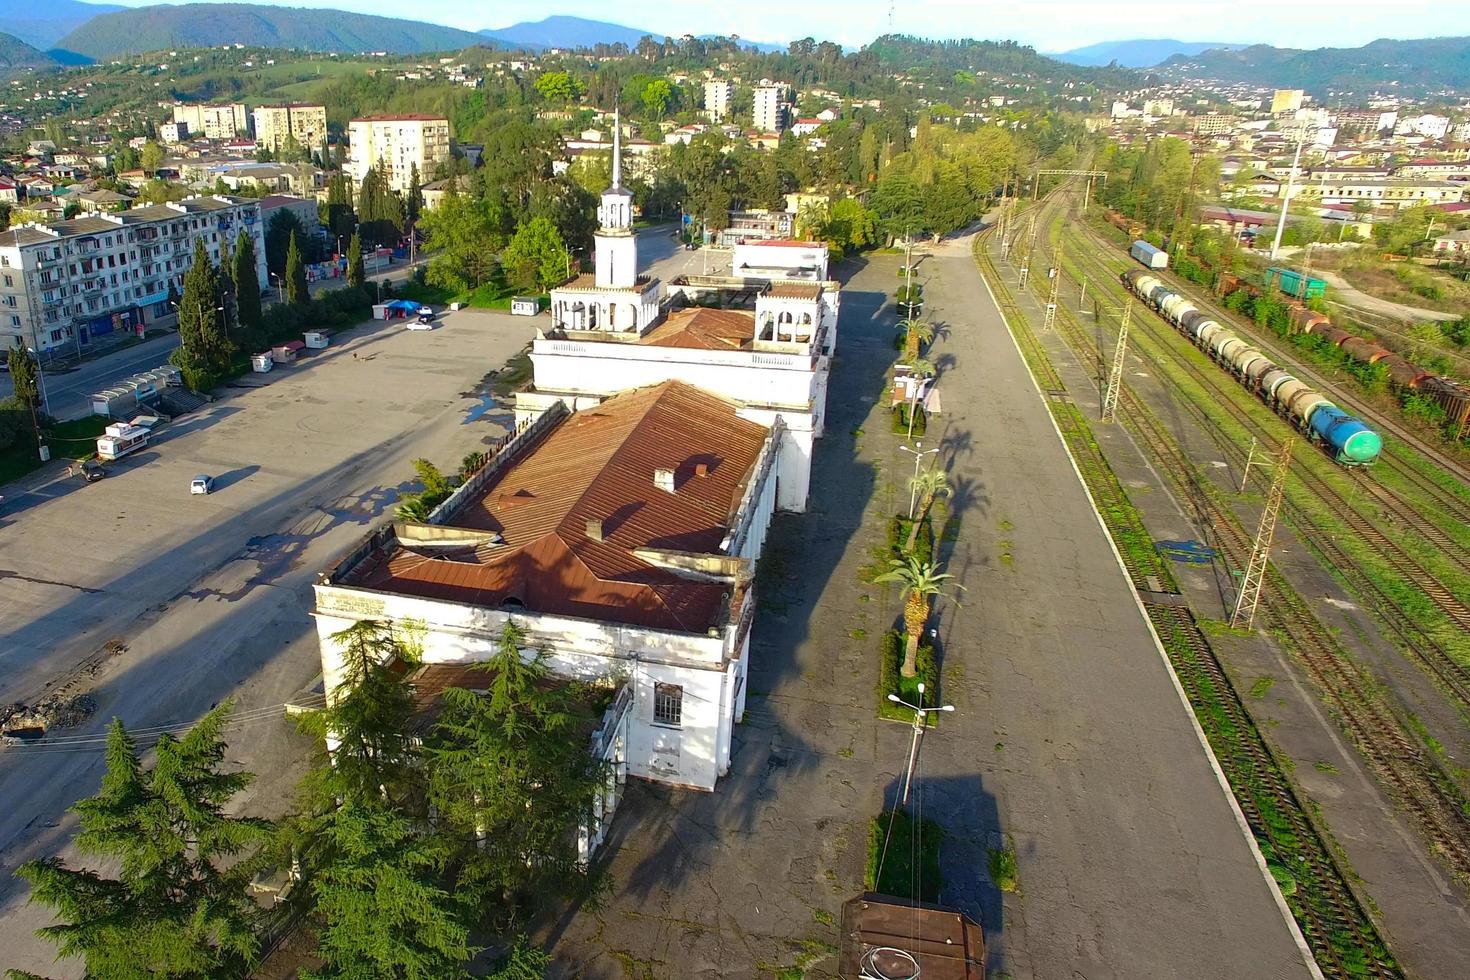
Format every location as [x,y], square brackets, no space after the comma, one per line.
[24,375]
[462,241]
[296,285]
[178,907]
[558,86]
[151,157]
[657,96]
[536,259]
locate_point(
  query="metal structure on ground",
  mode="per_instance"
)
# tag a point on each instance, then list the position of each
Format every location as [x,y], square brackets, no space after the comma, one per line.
[1255,573]
[1115,376]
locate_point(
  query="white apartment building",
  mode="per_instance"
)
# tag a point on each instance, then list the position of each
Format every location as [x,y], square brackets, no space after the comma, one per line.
[173,132]
[622,540]
[217,122]
[64,283]
[1428,125]
[770,108]
[307,124]
[395,144]
[1286,100]
[1158,108]
[719,98]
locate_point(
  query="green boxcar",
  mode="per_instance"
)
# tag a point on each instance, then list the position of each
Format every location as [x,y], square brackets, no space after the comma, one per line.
[1290,282]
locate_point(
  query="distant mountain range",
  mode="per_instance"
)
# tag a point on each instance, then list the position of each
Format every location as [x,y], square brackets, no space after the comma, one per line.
[194,25]
[15,53]
[561,31]
[1140,53]
[1425,65]
[41,23]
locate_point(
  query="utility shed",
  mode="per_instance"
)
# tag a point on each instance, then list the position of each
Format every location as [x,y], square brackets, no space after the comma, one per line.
[887,938]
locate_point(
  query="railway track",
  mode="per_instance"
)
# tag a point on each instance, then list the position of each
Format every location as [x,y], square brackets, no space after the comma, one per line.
[1405,564]
[1342,937]
[1423,791]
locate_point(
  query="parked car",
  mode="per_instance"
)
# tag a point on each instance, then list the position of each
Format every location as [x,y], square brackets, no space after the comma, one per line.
[203,483]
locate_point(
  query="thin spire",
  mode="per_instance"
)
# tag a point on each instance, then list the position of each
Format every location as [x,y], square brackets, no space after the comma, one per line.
[617,170]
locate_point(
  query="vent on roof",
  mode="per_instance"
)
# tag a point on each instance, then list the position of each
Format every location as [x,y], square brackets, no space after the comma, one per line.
[664,479]
[594,529]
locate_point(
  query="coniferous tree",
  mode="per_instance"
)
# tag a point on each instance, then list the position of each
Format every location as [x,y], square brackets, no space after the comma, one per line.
[296,287]
[382,901]
[24,375]
[227,295]
[247,291]
[414,202]
[355,271]
[511,783]
[203,344]
[174,910]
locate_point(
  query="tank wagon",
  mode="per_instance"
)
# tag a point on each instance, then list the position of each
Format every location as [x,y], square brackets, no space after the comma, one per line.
[1345,438]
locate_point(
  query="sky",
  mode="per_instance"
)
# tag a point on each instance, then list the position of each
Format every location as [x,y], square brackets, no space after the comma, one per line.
[1047,25]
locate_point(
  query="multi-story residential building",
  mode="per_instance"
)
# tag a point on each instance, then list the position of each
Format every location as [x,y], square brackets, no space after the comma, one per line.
[173,132]
[1158,108]
[216,122]
[1428,125]
[64,283]
[1366,120]
[770,108]
[1213,124]
[719,97]
[307,124]
[395,145]
[1399,192]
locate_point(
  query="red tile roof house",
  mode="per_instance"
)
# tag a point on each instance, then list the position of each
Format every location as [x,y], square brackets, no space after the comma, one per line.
[621,539]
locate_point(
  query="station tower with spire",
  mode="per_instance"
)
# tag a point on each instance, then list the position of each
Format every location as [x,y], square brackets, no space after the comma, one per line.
[615,299]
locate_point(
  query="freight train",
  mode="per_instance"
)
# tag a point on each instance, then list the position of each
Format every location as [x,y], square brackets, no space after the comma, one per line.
[1345,438]
[1451,396]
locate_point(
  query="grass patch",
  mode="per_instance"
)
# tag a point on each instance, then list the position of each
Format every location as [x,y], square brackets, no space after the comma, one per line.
[76,439]
[1262,687]
[892,681]
[909,868]
[1003,867]
[824,917]
[901,421]
[1325,767]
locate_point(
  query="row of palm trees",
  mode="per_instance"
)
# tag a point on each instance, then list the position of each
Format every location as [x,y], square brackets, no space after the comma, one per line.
[921,579]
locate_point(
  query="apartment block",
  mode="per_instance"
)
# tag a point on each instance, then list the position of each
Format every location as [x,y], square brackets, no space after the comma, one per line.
[307,124]
[719,98]
[395,144]
[65,283]
[217,122]
[770,108]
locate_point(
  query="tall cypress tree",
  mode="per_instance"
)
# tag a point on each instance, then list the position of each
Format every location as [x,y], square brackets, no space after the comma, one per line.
[414,203]
[247,290]
[178,906]
[296,289]
[355,271]
[201,332]
[227,293]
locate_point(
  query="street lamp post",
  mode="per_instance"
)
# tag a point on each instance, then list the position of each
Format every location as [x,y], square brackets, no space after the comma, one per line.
[280,288]
[921,715]
[919,453]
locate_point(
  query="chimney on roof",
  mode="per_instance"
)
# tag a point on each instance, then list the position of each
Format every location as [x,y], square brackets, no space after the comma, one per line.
[701,470]
[664,479]
[594,529]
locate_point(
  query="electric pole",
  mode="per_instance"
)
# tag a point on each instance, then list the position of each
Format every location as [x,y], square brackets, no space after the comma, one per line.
[1055,275]
[1255,573]
[1115,376]
[1286,199]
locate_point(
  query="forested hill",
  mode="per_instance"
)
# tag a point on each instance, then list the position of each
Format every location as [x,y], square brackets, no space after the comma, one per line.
[15,53]
[901,51]
[203,25]
[1425,65]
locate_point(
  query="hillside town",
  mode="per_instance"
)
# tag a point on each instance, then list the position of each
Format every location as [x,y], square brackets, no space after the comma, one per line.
[562,501]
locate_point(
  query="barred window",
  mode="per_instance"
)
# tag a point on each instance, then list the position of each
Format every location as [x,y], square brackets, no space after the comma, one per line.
[668,704]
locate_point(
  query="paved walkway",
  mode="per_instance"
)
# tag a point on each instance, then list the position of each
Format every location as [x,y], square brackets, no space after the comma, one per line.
[1069,736]
[1375,304]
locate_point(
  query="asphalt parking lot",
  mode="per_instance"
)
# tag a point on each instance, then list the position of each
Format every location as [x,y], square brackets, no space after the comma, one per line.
[210,595]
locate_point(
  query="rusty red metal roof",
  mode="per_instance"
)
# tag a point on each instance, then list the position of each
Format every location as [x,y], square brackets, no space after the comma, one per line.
[703,329]
[901,935]
[598,468]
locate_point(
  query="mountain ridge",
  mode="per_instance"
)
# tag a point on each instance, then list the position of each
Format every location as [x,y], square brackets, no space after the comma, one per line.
[1421,64]
[567,31]
[16,54]
[1138,52]
[41,24]
[140,29]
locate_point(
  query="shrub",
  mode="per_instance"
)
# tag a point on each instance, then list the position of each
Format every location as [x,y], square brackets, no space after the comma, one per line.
[1003,867]
[890,652]
[901,420]
[898,536]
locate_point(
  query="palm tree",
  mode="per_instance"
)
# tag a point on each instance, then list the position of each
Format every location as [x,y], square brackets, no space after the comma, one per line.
[922,580]
[414,509]
[916,332]
[928,485]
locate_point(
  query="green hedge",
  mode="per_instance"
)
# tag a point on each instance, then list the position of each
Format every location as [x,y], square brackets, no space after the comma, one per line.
[906,840]
[898,535]
[892,681]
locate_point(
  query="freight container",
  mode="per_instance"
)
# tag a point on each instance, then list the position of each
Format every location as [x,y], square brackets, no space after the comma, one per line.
[1293,283]
[1151,257]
